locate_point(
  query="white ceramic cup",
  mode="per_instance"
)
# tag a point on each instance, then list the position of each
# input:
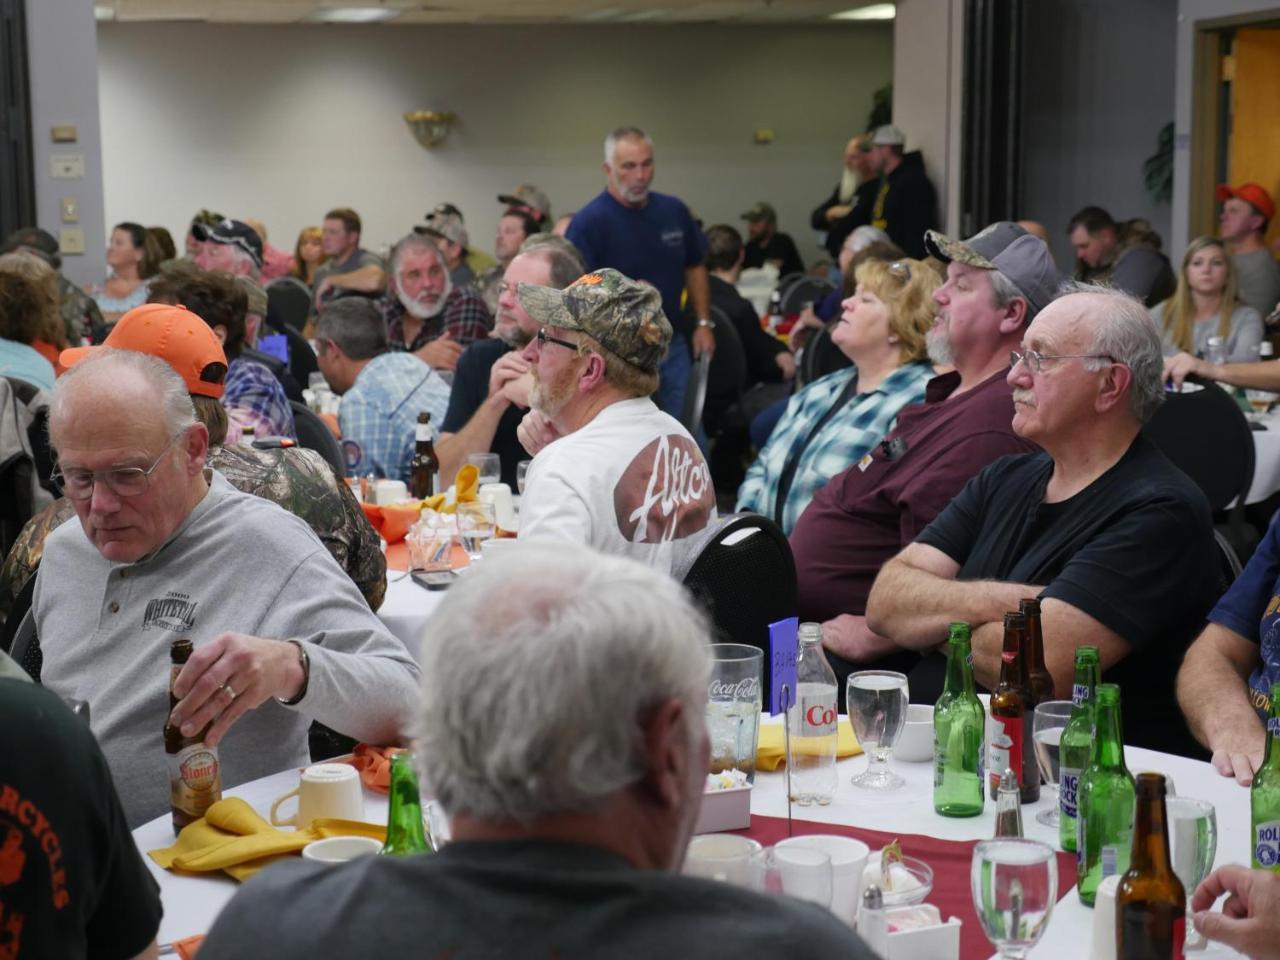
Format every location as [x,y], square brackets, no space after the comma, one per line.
[722,856]
[324,790]
[504,511]
[915,744]
[1104,920]
[389,491]
[496,546]
[848,859]
[340,849]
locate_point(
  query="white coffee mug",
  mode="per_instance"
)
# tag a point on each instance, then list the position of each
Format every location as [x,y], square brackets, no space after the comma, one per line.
[721,856]
[504,512]
[848,859]
[324,790]
[340,849]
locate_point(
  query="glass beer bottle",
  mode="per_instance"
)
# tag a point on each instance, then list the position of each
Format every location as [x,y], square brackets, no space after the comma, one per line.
[1104,801]
[959,723]
[425,464]
[1039,675]
[1012,747]
[1151,904]
[195,775]
[1076,743]
[405,834]
[1264,796]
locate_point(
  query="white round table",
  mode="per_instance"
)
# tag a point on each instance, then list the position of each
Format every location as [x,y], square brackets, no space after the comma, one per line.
[407,607]
[1266,467]
[192,902]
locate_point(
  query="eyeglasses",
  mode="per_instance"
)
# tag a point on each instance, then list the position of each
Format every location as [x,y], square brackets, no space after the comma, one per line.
[544,338]
[901,269]
[122,481]
[1036,361]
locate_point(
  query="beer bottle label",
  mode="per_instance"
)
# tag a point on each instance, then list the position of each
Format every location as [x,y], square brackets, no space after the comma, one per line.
[1273,726]
[1109,860]
[195,779]
[1266,844]
[1080,846]
[1068,783]
[1079,693]
[422,432]
[1180,936]
[1006,749]
[817,717]
[939,759]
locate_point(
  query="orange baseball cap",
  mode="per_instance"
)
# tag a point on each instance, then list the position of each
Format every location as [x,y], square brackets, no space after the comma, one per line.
[175,335]
[1253,194]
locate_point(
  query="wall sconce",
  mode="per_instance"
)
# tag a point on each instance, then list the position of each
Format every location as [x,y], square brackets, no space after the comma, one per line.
[430,127]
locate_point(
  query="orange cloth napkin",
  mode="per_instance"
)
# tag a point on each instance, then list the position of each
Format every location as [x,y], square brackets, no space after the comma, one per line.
[393,520]
[374,764]
[186,948]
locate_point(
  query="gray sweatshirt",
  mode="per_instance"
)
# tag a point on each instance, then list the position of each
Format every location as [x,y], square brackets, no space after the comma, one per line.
[237,563]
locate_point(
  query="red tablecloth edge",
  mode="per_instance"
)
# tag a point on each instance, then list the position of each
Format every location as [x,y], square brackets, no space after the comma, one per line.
[949,859]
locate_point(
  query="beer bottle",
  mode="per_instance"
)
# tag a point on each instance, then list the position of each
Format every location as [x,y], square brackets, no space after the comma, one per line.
[1077,740]
[1104,799]
[195,776]
[959,725]
[425,464]
[1264,795]
[1011,745]
[1041,678]
[1151,904]
[404,814]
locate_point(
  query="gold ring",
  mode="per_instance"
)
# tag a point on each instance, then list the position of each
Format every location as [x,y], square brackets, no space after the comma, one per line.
[228,689]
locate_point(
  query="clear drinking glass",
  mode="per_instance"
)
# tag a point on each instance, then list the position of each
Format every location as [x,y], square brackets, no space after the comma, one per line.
[877,703]
[522,471]
[489,465]
[733,707]
[1260,401]
[1193,844]
[476,524]
[1047,725]
[801,872]
[1015,885]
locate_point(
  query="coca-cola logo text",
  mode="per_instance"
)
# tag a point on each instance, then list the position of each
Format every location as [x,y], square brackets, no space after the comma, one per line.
[748,689]
[820,716]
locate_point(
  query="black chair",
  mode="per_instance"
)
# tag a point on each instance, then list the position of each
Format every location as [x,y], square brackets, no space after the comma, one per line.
[18,638]
[314,434]
[1228,561]
[800,289]
[742,573]
[728,371]
[695,394]
[1207,437]
[820,357]
[288,304]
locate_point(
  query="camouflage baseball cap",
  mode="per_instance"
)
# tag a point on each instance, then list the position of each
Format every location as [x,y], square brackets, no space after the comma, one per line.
[623,315]
[1003,246]
[761,211]
[445,226]
[527,195]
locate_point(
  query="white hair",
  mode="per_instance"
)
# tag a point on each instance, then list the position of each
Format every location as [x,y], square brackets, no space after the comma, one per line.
[108,366]
[864,236]
[623,133]
[539,673]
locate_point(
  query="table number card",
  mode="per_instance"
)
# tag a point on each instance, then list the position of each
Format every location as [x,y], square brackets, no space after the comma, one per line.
[782,663]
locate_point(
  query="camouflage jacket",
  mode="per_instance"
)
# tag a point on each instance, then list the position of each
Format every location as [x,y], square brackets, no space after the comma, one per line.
[80,313]
[299,480]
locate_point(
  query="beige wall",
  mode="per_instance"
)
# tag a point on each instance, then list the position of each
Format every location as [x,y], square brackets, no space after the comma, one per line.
[283,122]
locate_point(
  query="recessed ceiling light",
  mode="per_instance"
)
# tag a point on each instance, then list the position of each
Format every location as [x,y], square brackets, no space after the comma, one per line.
[352,14]
[876,11]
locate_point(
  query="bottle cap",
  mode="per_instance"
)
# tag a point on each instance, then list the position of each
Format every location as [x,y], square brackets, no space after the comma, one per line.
[872,898]
[1008,780]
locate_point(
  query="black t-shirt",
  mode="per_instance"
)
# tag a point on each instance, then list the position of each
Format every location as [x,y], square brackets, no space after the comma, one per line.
[72,883]
[780,248]
[1134,550]
[469,391]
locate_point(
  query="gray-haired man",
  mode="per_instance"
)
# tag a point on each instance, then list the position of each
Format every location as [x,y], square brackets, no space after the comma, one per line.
[564,732]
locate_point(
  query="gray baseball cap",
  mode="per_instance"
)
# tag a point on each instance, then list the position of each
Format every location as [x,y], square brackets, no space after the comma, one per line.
[888,136]
[1004,246]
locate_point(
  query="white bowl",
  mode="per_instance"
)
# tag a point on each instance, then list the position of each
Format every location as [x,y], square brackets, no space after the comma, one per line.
[915,744]
[340,849]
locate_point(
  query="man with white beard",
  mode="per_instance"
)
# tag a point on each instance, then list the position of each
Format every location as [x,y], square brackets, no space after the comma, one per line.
[425,313]
[610,470]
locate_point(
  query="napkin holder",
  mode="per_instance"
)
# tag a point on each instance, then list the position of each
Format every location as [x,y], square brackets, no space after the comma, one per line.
[939,942]
[724,810]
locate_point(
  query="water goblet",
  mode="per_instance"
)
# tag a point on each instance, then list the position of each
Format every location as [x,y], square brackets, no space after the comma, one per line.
[1047,724]
[476,524]
[1014,882]
[522,471]
[1193,844]
[489,465]
[877,702]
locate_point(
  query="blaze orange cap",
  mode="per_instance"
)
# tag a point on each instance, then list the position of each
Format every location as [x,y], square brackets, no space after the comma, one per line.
[175,335]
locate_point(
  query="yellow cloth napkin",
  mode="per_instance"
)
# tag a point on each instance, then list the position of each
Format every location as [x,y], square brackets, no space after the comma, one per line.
[771,752]
[465,485]
[233,838]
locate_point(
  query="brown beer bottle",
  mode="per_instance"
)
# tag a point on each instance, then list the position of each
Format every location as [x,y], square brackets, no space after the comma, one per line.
[1041,678]
[1012,746]
[425,465]
[195,776]
[1151,904]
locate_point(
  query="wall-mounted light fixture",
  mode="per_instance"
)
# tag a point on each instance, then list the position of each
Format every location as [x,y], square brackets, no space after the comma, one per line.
[430,127]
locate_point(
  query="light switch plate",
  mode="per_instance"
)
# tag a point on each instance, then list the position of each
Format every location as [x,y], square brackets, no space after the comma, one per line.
[66,166]
[70,210]
[71,240]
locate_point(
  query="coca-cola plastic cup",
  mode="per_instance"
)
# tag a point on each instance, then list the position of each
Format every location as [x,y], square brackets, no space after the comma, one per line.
[733,707]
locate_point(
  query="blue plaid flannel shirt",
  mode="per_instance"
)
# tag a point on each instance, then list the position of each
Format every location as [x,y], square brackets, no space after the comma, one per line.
[379,414]
[843,440]
[253,397]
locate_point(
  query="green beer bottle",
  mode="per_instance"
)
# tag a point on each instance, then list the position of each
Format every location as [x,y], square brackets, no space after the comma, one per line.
[1264,796]
[959,722]
[1077,739]
[1105,800]
[404,816]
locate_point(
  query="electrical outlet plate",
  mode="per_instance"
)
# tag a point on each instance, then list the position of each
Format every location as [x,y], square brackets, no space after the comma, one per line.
[66,166]
[71,240]
[70,210]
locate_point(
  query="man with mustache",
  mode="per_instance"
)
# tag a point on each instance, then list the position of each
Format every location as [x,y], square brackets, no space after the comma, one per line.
[425,313]
[997,281]
[1114,540]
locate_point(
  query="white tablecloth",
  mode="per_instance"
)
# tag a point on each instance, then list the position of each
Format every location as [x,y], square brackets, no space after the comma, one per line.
[191,903]
[1266,450]
[407,607]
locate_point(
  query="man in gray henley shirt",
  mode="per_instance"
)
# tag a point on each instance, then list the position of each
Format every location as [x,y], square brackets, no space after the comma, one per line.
[166,548]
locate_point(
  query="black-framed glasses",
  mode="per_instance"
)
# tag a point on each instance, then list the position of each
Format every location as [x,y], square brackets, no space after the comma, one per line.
[122,481]
[1036,361]
[544,338]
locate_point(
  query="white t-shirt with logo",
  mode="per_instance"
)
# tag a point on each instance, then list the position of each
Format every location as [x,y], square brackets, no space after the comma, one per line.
[631,482]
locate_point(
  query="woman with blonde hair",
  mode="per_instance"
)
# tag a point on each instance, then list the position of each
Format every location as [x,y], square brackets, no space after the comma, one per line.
[836,420]
[308,254]
[1205,305]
